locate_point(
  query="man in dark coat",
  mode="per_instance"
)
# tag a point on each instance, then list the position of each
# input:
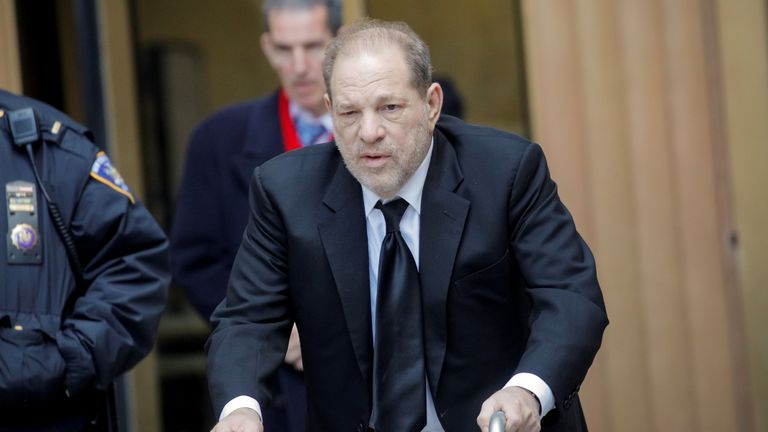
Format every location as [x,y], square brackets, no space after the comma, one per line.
[212,206]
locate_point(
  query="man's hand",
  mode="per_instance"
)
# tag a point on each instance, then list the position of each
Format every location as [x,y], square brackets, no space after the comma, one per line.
[520,407]
[240,420]
[293,354]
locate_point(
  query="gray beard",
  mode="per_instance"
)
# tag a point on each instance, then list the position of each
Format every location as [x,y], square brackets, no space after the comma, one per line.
[396,178]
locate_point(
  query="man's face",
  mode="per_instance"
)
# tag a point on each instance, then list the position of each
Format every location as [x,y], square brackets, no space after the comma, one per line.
[294,46]
[383,125]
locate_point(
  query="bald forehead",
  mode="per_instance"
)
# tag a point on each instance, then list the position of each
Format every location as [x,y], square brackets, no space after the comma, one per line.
[368,46]
[370,36]
[371,39]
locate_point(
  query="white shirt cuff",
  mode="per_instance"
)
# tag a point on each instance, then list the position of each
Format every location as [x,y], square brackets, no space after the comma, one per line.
[537,386]
[241,402]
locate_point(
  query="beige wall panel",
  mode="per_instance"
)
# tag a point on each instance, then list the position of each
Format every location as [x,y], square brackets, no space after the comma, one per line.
[10,70]
[725,217]
[703,271]
[625,98]
[610,177]
[353,9]
[558,122]
[664,307]
[745,69]
[120,93]
[578,120]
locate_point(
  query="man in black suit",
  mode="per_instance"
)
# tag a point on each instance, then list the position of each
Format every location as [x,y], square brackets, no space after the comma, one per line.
[212,206]
[512,313]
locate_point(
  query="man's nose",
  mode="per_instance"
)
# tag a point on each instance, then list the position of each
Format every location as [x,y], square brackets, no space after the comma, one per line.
[371,128]
[299,59]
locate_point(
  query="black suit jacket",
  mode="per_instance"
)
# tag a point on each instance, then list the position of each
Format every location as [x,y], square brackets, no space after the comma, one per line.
[508,284]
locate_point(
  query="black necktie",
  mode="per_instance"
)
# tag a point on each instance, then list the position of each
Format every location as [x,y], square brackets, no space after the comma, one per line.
[400,387]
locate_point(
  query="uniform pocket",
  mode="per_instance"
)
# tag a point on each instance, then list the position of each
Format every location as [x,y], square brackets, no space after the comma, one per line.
[31,369]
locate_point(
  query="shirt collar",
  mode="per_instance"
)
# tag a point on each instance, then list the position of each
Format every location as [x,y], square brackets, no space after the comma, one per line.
[297,112]
[411,190]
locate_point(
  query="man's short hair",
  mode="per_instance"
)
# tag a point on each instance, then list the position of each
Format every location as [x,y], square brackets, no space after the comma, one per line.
[333,7]
[368,35]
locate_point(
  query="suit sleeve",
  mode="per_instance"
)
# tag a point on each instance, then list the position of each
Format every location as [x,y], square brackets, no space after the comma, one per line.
[126,270]
[568,313]
[253,324]
[197,245]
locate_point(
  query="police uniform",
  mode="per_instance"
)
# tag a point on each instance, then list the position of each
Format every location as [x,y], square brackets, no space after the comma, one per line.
[56,361]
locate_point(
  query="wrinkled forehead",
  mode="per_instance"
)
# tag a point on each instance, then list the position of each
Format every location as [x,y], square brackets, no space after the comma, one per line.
[370,64]
[371,41]
[372,56]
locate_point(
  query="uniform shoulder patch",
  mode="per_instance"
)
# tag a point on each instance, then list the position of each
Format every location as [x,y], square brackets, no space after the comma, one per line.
[103,171]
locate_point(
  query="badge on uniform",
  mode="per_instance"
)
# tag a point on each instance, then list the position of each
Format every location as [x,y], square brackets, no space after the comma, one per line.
[103,171]
[24,245]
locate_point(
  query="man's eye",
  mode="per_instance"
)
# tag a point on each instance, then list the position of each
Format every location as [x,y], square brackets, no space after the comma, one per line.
[391,107]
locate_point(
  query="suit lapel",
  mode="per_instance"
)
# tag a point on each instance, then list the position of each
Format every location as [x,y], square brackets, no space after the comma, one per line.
[344,238]
[442,223]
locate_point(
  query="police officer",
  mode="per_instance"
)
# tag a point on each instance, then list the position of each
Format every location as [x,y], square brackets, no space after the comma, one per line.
[84,278]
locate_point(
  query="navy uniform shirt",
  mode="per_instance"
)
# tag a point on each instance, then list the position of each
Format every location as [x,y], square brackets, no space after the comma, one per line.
[56,366]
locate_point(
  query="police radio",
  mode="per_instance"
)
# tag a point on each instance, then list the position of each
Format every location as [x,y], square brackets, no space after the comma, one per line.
[24,245]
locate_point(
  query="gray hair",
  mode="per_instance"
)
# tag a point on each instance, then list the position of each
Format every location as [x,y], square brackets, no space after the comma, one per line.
[333,7]
[368,34]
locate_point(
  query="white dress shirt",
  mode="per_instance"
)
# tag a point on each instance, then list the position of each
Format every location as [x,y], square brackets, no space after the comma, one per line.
[409,229]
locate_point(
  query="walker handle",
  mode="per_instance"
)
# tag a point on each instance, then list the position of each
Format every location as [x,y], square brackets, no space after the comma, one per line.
[497,422]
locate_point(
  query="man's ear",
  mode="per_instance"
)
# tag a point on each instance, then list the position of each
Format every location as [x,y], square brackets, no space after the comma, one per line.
[267,48]
[327,100]
[434,103]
